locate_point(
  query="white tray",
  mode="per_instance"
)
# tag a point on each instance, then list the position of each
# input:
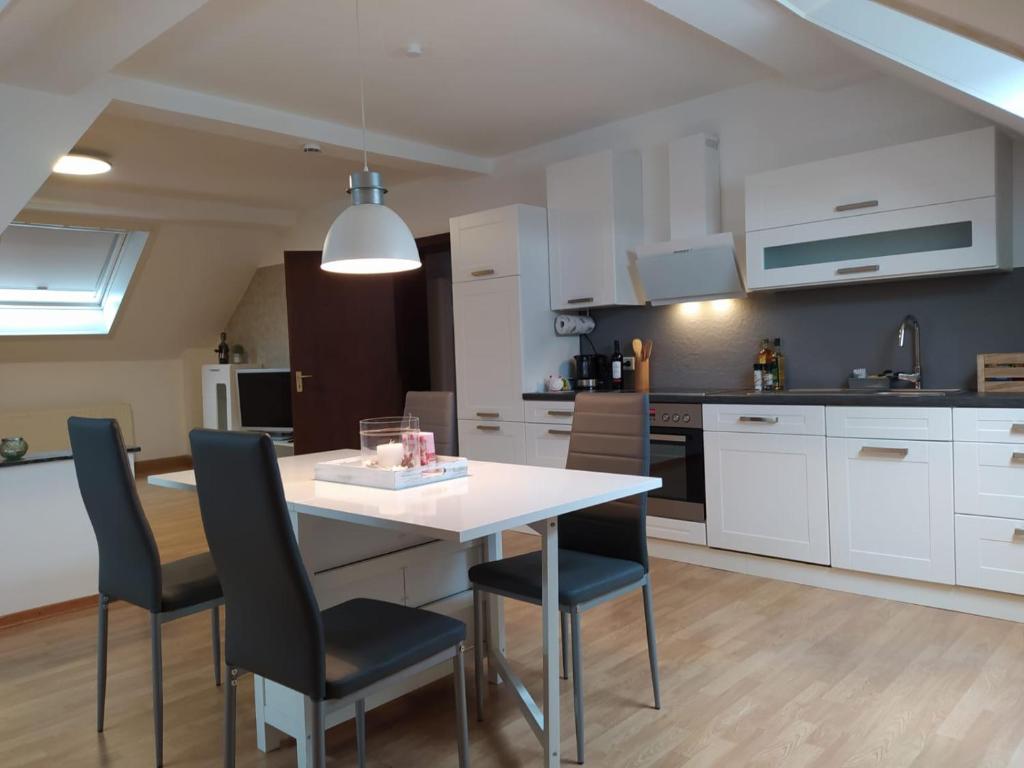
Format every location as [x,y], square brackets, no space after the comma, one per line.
[352,471]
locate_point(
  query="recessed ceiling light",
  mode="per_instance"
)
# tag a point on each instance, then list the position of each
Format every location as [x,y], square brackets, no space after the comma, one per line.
[414,50]
[77,164]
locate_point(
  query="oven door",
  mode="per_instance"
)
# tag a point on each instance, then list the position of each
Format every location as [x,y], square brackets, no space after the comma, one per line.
[677,457]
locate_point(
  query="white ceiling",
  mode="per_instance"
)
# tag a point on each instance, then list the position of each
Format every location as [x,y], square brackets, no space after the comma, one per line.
[495,76]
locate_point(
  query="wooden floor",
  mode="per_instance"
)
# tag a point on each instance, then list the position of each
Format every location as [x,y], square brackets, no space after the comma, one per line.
[754,672]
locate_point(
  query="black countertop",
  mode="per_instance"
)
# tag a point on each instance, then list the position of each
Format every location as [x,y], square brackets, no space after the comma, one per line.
[950,400]
[41,457]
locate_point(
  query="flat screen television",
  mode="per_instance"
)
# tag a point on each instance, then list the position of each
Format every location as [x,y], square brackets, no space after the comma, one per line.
[265,399]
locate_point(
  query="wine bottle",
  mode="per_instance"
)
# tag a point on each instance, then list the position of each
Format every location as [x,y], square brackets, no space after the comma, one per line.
[617,367]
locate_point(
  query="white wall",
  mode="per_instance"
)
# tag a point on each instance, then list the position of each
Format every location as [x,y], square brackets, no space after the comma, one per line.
[153,388]
[769,124]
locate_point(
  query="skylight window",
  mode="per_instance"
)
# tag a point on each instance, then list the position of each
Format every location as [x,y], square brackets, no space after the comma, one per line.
[57,280]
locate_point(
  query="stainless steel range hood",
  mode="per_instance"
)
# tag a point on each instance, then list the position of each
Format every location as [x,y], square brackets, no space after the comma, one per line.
[698,261]
[691,269]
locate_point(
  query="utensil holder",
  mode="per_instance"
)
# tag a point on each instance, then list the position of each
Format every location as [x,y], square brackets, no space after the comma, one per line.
[642,376]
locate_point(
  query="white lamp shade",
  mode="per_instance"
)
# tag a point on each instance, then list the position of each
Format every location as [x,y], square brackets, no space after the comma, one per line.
[369,239]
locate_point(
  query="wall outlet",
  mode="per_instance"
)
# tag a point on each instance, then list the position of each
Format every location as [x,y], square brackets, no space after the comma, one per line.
[629,363]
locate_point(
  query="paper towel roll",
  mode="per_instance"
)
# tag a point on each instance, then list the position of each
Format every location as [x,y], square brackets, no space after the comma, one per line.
[573,325]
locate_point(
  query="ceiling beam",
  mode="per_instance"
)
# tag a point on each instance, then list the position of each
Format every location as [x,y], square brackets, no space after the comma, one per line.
[61,46]
[257,119]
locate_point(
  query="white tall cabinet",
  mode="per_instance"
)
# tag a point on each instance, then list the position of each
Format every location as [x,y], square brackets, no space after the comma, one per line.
[505,343]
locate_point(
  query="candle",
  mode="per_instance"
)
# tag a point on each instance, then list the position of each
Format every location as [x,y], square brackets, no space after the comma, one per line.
[389,455]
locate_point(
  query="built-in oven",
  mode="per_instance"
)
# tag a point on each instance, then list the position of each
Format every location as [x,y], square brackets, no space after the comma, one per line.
[677,457]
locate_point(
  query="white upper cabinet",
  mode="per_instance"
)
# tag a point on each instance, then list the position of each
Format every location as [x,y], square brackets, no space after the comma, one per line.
[486,244]
[595,215]
[930,207]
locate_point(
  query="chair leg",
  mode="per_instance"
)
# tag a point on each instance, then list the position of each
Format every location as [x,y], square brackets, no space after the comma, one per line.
[460,706]
[229,718]
[652,644]
[361,733]
[101,663]
[577,684]
[565,645]
[318,744]
[158,687]
[479,680]
[215,633]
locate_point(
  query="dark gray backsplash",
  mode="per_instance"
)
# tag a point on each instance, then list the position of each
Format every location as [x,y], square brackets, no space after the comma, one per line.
[826,332]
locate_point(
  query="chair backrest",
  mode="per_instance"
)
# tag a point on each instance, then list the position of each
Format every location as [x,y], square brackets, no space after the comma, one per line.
[274,627]
[436,411]
[129,559]
[610,433]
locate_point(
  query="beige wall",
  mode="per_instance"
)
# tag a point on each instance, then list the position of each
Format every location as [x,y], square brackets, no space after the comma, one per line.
[260,321]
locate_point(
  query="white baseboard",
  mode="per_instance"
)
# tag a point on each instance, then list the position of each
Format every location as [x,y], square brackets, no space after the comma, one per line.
[996,605]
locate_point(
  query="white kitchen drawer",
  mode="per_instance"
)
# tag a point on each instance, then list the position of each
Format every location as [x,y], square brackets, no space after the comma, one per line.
[989,479]
[891,507]
[485,244]
[889,423]
[501,441]
[939,170]
[550,411]
[988,425]
[547,445]
[990,553]
[779,419]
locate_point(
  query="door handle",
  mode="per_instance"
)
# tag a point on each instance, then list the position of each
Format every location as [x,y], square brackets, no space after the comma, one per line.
[488,427]
[1014,534]
[758,419]
[856,206]
[559,413]
[584,300]
[857,270]
[299,376]
[1017,457]
[481,272]
[1016,429]
[877,450]
[488,414]
[559,432]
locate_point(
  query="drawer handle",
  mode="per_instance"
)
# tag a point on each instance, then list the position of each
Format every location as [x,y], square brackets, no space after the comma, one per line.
[758,419]
[877,450]
[488,427]
[1014,534]
[1017,457]
[1017,429]
[856,206]
[559,432]
[559,413]
[488,414]
[481,272]
[857,270]
[584,300]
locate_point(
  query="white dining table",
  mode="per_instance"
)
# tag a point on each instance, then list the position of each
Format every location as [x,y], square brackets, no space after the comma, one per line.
[493,498]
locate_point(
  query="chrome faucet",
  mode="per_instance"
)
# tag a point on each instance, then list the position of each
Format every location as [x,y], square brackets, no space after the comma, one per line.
[901,335]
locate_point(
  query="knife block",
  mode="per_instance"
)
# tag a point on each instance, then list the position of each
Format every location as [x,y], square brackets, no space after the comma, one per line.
[642,375]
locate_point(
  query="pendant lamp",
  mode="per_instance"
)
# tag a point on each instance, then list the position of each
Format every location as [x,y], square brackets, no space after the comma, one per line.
[368,237]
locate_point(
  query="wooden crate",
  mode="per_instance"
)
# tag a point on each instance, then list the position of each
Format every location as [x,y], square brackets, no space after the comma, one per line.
[1001,372]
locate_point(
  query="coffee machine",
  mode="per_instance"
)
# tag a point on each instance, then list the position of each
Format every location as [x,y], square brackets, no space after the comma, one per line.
[591,372]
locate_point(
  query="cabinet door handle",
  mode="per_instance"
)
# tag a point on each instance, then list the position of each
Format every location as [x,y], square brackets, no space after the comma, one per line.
[481,272]
[758,419]
[856,206]
[488,427]
[559,432]
[584,300]
[1014,534]
[857,270]
[488,414]
[559,413]
[1017,457]
[1016,429]
[877,450]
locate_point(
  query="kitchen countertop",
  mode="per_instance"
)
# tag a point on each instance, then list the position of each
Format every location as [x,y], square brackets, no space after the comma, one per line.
[41,457]
[963,399]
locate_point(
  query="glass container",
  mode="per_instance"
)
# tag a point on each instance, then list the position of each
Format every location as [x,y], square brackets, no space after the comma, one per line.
[390,442]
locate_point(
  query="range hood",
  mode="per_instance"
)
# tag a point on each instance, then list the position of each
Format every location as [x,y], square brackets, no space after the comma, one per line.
[698,261]
[691,269]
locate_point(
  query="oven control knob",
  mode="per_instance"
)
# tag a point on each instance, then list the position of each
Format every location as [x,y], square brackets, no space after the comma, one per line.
[686,418]
[675,417]
[664,417]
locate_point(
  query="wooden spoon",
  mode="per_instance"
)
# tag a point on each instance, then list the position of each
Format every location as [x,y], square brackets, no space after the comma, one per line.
[648,348]
[638,348]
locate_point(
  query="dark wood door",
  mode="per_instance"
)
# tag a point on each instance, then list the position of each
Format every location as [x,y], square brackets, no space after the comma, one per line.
[359,341]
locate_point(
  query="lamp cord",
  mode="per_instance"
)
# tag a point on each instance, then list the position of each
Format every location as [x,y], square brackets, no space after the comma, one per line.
[362,91]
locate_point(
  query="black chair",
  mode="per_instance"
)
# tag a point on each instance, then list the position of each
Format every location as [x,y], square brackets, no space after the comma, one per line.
[602,550]
[130,567]
[275,627]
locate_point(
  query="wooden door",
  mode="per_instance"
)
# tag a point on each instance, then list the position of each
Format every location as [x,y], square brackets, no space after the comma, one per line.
[359,342]
[767,494]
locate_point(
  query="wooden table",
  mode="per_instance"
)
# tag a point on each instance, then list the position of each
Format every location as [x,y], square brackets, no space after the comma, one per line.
[492,499]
